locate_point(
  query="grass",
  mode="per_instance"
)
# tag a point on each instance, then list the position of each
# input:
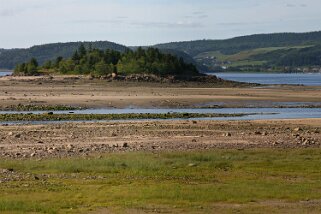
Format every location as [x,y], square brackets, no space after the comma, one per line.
[91,117]
[173,181]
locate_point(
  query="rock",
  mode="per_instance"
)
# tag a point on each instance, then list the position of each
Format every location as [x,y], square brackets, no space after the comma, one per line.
[192,165]
[298,129]
[257,133]
[70,146]
[114,75]
[125,145]
[33,154]
[10,133]
[264,134]
[17,136]
[227,134]
[194,140]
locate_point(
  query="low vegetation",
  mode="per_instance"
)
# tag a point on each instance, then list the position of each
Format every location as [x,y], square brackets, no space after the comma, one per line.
[221,181]
[21,107]
[89,117]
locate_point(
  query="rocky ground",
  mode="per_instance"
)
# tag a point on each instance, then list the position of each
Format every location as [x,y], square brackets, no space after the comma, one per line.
[82,139]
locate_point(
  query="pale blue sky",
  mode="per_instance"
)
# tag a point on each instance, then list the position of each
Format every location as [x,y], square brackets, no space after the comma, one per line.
[24,23]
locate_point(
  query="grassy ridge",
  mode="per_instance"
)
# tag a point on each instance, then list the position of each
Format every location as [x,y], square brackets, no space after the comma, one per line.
[174,181]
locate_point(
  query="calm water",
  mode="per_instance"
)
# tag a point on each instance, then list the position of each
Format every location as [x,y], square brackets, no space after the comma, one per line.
[5,73]
[267,78]
[261,113]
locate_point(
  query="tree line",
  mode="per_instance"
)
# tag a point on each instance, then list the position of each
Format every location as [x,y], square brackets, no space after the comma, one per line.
[103,62]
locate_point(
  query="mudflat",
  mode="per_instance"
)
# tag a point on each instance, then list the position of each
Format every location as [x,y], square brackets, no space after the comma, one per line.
[84,92]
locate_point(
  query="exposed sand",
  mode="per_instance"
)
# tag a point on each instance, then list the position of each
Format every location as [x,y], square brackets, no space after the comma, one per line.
[39,141]
[101,94]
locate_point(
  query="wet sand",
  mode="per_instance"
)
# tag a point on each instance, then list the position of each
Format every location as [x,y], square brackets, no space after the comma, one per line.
[88,93]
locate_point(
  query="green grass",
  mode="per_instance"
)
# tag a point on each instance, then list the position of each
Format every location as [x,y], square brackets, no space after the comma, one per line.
[177,181]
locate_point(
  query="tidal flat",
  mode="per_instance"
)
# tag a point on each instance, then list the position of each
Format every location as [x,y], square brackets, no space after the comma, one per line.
[163,166]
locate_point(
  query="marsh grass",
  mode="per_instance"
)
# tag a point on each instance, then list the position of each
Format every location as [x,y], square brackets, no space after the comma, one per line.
[192,181]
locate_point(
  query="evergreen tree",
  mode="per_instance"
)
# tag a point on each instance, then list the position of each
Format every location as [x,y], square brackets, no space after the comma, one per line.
[58,60]
[82,50]
[76,57]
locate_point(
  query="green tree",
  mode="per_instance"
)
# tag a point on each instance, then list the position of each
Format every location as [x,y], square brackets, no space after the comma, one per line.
[82,50]
[47,65]
[57,61]
[76,57]
[32,67]
[102,69]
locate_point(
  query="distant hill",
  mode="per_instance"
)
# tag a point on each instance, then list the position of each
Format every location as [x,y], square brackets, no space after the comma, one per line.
[261,52]
[9,58]
[254,52]
[237,44]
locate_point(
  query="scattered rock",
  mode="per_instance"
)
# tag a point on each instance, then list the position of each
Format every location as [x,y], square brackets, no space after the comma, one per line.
[70,146]
[298,129]
[17,136]
[227,134]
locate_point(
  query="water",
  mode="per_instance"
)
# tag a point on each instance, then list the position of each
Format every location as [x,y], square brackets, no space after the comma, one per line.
[257,113]
[5,73]
[270,78]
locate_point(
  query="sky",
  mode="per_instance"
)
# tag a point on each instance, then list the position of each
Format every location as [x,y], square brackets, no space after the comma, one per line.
[25,23]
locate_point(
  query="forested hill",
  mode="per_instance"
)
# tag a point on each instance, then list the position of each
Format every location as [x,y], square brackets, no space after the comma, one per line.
[262,52]
[237,44]
[9,58]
